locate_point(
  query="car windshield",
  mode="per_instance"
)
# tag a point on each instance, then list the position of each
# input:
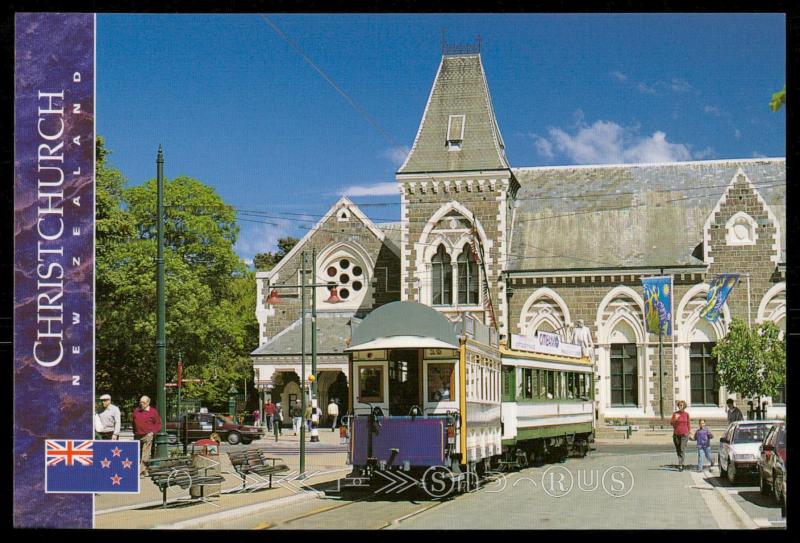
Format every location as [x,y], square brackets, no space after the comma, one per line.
[781,438]
[751,433]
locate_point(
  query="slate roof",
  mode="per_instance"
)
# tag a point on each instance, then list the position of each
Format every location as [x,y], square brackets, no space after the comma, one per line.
[636,215]
[393,231]
[460,88]
[332,331]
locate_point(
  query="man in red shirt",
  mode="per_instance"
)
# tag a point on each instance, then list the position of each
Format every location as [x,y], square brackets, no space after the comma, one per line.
[269,411]
[146,424]
[681,428]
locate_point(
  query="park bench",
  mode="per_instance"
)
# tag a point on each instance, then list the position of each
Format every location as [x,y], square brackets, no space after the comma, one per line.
[179,471]
[256,466]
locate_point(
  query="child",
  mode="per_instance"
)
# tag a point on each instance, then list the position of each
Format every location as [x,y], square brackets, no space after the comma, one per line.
[342,434]
[703,438]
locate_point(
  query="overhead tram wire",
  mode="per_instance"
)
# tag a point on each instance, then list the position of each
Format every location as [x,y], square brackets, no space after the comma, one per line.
[393,142]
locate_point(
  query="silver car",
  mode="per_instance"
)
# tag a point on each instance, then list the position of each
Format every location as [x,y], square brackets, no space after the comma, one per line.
[739,447]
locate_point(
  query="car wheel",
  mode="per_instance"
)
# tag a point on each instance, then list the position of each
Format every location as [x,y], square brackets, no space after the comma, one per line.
[722,471]
[731,473]
[234,438]
[246,441]
[762,484]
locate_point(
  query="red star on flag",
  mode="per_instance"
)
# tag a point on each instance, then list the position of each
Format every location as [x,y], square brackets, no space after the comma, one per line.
[105,462]
[116,451]
[115,480]
[126,464]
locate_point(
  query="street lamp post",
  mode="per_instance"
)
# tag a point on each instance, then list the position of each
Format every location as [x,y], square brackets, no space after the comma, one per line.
[162,439]
[272,300]
[232,402]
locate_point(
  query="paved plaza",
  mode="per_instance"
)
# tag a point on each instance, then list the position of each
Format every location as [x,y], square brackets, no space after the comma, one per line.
[624,484]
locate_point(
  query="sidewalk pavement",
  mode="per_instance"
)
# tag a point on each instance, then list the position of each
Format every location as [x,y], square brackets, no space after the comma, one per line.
[144,510]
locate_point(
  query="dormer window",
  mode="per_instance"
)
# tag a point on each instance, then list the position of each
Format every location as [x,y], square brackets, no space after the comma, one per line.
[343,215]
[455,132]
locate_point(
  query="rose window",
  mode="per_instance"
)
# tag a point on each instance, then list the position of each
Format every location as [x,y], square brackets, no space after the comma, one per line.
[347,275]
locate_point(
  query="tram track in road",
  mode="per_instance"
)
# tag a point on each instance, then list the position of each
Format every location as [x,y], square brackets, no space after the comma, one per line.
[387,513]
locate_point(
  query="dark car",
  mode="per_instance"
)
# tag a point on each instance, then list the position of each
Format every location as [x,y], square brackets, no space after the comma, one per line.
[194,426]
[772,464]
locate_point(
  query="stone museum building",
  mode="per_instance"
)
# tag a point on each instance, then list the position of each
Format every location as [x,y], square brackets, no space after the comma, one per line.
[530,249]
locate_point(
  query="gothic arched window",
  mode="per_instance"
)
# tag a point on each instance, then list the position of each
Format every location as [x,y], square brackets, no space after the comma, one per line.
[442,277]
[468,277]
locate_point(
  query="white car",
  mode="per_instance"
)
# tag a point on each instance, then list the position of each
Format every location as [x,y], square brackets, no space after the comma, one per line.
[739,447]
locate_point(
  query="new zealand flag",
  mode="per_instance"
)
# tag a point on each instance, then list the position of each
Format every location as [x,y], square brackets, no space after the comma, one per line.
[89,466]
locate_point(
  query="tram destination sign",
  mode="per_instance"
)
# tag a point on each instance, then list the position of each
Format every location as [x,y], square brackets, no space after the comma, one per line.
[546,343]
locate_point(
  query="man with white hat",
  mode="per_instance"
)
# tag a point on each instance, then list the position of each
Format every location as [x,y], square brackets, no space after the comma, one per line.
[108,420]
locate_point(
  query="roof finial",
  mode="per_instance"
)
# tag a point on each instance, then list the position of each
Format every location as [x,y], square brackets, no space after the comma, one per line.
[461,49]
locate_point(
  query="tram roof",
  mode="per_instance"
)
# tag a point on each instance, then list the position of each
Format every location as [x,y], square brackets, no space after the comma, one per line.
[404,325]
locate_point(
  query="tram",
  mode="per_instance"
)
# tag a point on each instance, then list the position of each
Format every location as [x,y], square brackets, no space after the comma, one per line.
[429,395]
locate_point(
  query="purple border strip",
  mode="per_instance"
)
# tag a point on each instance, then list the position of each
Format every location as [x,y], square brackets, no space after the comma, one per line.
[53,255]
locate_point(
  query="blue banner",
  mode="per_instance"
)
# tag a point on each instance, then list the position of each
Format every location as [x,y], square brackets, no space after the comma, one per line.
[53,256]
[718,293]
[91,466]
[658,304]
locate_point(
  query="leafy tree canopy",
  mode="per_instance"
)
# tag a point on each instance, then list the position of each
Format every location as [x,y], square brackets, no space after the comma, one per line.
[752,361]
[267,261]
[778,99]
[210,295]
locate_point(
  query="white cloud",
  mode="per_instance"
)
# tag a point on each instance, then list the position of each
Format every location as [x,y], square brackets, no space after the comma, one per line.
[543,147]
[619,76]
[737,134]
[708,152]
[377,189]
[257,238]
[680,85]
[606,142]
[713,110]
[396,155]
[644,88]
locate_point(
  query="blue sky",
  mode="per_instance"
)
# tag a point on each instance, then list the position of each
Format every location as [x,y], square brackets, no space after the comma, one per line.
[236,106]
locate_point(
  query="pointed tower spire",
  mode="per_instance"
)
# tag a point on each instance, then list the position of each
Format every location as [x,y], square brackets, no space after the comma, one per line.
[458,131]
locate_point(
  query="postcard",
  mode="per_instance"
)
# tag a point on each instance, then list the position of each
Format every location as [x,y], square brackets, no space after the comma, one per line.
[400,271]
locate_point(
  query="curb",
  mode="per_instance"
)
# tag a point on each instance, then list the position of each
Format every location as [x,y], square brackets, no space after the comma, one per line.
[740,513]
[209,521]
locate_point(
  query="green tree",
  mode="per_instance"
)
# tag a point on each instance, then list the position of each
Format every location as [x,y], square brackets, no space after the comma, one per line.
[778,99]
[752,361]
[267,261]
[210,294]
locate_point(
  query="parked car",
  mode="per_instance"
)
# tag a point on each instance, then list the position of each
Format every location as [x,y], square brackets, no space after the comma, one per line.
[194,426]
[739,447]
[772,465]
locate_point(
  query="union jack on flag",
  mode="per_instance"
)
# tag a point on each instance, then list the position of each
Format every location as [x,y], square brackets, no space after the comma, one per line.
[91,466]
[69,452]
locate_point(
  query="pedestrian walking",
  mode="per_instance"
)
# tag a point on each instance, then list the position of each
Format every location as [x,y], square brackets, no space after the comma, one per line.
[309,413]
[681,429]
[109,419]
[734,413]
[296,412]
[703,437]
[276,419]
[333,413]
[146,424]
[269,410]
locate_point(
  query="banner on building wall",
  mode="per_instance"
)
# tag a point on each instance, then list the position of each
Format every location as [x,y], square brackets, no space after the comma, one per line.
[718,292]
[546,343]
[658,304]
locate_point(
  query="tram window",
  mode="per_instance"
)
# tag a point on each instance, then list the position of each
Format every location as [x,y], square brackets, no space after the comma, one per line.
[441,379]
[581,385]
[520,382]
[542,384]
[551,385]
[570,385]
[370,384]
[563,385]
[528,390]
